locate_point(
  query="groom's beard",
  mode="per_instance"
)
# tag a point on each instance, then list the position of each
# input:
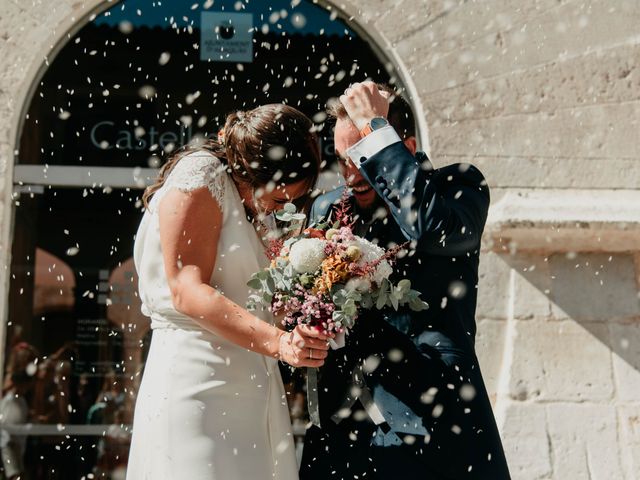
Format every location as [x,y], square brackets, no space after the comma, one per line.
[365,196]
[366,211]
[367,220]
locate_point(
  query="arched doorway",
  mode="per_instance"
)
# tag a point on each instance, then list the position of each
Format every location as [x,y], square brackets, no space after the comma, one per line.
[134,82]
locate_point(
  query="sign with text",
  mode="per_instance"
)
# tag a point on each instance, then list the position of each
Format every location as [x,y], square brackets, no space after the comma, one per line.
[226,37]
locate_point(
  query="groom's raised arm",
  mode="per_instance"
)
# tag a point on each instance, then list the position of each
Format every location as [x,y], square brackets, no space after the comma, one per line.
[443,211]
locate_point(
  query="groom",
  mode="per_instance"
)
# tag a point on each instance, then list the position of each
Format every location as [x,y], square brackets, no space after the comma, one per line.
[405,397]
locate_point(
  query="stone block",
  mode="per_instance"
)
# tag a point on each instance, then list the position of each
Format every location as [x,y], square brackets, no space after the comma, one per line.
[594,287]
[455,25]
[532,285]
[584,441]
[575,173]
[408,17]
[625,339]
[25,41]
[629,434]
[490,345]
[560,361]
[569,30]
[371,11]
[594,132]
[493,287]
[51,13]
[600,77]
[524,438]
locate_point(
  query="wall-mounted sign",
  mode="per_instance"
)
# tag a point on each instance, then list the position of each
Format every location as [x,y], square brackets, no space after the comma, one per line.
[226,37]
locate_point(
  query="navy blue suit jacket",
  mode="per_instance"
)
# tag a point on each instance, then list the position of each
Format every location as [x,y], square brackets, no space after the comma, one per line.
[427,382]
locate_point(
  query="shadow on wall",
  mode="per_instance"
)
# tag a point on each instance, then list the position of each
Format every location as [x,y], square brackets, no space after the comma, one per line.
[575,311]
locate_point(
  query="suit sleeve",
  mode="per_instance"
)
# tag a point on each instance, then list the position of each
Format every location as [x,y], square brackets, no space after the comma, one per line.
[442,211]
[314,215]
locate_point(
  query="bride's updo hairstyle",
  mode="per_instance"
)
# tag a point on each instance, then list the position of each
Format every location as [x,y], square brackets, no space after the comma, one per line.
[271,143]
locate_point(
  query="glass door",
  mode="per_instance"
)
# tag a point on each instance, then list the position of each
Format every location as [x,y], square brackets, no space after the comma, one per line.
[75,325]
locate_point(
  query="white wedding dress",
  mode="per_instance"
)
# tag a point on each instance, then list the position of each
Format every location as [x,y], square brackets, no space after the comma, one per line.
[207,409]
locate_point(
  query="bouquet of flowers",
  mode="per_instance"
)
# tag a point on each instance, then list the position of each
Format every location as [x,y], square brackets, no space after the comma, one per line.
[326,276]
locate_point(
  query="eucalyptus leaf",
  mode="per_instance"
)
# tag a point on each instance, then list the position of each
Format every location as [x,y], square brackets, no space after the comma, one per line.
[284,216]
[418,305]
[397,293]
[394,301]
[338,317]
[366,301]
[381,301]
[339,297]
[382,295]
[290,241]
[349,308]
[350,322]
[288,271]
[271,284]
[354,295]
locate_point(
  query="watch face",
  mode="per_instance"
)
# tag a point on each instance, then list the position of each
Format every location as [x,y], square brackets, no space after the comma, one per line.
[378,122]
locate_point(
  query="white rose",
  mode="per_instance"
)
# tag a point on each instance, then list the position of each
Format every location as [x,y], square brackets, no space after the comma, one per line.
[307,254]
[358,284]
[370,253]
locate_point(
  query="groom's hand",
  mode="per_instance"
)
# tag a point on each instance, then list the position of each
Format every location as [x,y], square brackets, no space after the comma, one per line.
[363,101]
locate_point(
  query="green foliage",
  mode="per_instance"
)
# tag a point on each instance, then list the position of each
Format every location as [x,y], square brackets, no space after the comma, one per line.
[266,282]
[289,214]
[394,296]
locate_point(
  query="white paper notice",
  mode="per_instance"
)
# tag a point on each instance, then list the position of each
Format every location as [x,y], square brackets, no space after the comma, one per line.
[226,37]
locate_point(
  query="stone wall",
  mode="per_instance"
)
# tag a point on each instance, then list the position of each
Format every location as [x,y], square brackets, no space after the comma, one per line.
[544,96]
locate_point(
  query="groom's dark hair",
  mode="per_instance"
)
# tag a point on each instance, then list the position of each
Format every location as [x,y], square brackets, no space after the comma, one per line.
[400,114]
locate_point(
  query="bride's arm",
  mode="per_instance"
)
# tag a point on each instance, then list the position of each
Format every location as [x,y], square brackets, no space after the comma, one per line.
[190,225]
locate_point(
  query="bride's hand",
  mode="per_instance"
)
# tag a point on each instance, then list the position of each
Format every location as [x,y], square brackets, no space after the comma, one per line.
[304,347]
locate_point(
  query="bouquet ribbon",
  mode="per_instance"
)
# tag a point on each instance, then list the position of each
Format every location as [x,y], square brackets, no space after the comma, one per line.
[312,396]
[362,393]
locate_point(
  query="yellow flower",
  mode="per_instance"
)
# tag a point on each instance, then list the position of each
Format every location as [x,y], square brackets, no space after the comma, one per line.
[353,253]
[331,233]
[334,269]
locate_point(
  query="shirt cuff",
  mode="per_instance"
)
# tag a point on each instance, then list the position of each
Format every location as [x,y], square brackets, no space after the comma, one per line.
[372,144]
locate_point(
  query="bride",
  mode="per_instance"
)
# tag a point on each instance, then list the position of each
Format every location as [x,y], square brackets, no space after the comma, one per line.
[211,403]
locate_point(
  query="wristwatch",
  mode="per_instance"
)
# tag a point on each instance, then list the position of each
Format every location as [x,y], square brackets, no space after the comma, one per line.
[376,123]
